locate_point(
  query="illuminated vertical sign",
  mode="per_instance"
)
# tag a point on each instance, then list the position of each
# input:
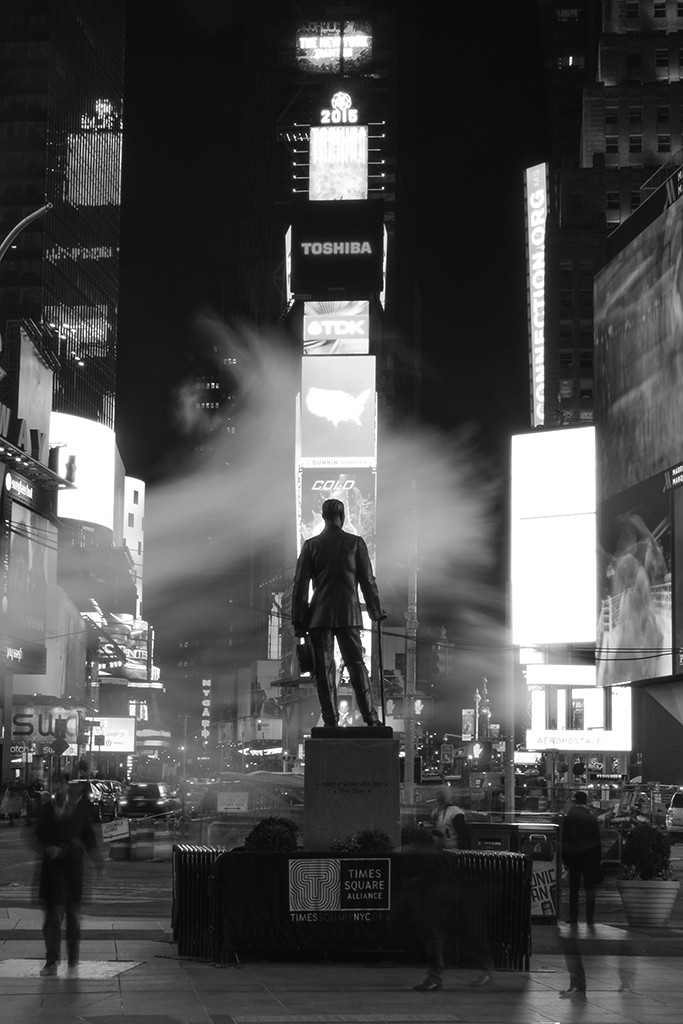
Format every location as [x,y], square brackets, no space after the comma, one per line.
[206,710]
[536,214]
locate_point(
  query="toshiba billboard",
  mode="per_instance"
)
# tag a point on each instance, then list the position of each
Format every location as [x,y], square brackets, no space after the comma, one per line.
[337,249]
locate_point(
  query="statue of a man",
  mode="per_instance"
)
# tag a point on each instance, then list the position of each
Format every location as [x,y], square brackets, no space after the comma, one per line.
[337,563]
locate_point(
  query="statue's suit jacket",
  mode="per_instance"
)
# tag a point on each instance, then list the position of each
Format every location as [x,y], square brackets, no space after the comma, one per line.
[337,563]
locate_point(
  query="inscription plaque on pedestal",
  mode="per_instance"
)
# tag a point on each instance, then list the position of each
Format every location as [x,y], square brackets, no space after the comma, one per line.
[350,785]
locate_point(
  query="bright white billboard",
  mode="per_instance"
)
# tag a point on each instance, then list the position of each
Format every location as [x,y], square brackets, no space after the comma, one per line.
[112,735]
[553,539]
[338,411]
[338,162]
[88,450]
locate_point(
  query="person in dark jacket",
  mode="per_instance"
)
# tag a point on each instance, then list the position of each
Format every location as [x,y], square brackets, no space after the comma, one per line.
[582,856]
[337,563]
[65,832]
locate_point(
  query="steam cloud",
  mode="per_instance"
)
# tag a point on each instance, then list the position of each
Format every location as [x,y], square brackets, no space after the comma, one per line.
[239,491]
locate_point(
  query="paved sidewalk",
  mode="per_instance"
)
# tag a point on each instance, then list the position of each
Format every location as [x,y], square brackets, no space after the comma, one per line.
[131,974]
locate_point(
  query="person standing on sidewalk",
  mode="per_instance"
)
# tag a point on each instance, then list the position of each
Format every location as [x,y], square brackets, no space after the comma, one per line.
[64,832]
[582,856]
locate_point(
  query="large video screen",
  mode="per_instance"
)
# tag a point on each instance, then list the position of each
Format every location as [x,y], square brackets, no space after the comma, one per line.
[639,420]
[337,249]
[338,410]
[552,525]
[336,328]
[355,486]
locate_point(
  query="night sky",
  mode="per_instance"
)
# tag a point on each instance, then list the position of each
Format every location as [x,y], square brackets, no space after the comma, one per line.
[481,103]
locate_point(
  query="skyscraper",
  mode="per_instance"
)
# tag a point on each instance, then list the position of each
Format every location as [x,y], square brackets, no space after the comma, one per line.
[61,94]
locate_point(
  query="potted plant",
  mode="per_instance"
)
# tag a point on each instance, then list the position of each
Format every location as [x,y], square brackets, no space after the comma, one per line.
[645,881]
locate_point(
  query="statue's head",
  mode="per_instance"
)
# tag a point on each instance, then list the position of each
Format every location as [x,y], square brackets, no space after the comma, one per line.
[333,509]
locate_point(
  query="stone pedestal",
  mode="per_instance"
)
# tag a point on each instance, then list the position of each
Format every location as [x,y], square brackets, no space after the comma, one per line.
[351,783]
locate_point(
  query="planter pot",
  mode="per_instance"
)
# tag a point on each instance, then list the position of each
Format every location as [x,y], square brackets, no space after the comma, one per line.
[647,904]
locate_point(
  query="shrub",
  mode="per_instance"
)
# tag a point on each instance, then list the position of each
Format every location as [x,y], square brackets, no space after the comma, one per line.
[416,838]
[367,841]
[272,834]
[646,854]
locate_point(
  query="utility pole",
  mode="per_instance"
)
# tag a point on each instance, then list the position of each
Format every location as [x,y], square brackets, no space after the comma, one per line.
[510,738]
[411,656]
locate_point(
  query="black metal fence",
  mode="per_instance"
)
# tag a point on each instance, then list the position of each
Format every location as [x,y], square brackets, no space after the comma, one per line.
[232,904]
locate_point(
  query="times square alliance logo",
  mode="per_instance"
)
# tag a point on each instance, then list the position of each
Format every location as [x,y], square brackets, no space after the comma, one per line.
[329,885]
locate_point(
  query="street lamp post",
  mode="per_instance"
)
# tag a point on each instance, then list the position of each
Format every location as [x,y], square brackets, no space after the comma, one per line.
[18,228]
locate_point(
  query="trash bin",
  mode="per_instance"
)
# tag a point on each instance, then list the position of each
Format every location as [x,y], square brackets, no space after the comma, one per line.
[539,840]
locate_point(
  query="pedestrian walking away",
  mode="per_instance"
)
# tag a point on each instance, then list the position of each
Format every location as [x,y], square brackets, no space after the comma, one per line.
[64,833]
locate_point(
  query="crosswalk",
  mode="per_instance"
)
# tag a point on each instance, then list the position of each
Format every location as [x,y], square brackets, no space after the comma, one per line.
[112,893]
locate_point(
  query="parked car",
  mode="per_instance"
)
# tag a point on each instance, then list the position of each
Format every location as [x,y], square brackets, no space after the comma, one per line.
[147,800]
[91,790]
[674,815]
[112,791]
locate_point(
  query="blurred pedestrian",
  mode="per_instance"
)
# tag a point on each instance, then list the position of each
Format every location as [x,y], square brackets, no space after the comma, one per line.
[448,821]
[64,833]
[451,917]
[582,856]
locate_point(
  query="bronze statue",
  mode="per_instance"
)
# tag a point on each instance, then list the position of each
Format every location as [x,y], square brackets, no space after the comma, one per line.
[337,563]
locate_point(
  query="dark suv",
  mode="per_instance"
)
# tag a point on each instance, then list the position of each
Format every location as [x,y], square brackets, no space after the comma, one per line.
[148,800]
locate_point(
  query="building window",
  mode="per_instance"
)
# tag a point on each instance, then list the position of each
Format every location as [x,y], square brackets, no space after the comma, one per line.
[679,10]
[633,64]
[566,298]
[139,547]
[566,388]
[635,199]
[138,709]
[635,143]
[632,9]
[661,58]
[664,143]
[586,330]
[586,267]
[611,143]
[586,297]
[612,200]
[567,14]
[570,60]
[131,519]
[611,115]
[586,390]
[660,9]
[136,497]
[663,113]
[566,329]
[566,268]
[586,359]
[566,358]
[635,115]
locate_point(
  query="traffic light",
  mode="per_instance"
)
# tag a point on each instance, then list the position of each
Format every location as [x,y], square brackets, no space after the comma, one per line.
[442,659]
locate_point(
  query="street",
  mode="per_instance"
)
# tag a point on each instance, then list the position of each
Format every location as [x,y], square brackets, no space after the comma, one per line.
[128,888]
